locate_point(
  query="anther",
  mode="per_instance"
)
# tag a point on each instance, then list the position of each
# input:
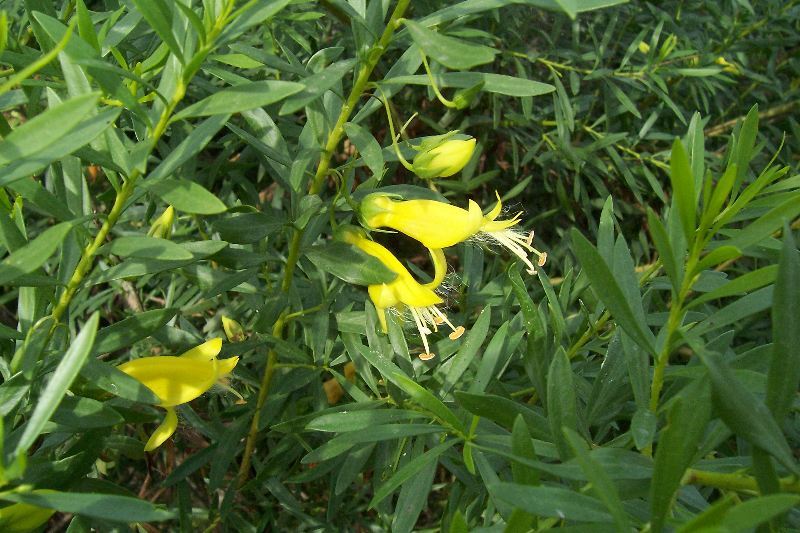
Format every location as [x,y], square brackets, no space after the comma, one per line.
[457,333]
[426,356]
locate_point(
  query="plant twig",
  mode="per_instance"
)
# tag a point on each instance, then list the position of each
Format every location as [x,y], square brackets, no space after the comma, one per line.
[335,136]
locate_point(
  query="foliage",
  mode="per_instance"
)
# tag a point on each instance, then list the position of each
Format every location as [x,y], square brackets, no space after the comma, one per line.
[174,172]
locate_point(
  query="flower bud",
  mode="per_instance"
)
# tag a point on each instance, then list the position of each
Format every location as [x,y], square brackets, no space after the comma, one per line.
[233,330]
[443,159]
[162,227]
[464,97]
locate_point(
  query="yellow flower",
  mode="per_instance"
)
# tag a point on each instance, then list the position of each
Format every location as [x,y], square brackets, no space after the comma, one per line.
[179,379]
[442,159]
[405,291]
[439,225]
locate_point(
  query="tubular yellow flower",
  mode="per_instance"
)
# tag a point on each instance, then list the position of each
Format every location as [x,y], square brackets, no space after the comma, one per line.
[439,225]
[179,379]
[405,291]
[443,159]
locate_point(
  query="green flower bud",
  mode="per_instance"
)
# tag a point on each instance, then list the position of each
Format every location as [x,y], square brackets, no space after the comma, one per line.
[233,330]
[443,159]
[464,97]
[162,227]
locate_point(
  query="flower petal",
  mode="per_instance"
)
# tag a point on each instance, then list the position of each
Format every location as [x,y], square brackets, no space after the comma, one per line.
[163,431]
[226,366]
[439,267]
[206,351]
[175,380]
[434,224]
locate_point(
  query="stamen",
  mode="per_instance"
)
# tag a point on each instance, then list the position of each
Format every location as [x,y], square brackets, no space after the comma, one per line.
[457,331]
[520,246]
[426,356]
[423,331]
[428,317]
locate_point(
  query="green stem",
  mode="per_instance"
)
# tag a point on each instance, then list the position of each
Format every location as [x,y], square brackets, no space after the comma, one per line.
[87,257]
[394,135]
[315,187]
[263,394]
[337,132]
[39,63]
[445,102]
[734,481]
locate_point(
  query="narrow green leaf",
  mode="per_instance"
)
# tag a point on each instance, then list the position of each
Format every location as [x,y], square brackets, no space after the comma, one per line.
[349,264]
[503,411]
[85,132]
[420,395]
[745,144]
[602,486]
[767,224]
[624,99]
[741,411]
[358,420]
[717,256]
[85,413]
[784,369]
[609,291]
[408,470]
[158,15]
[741,285]
[103,506]
[680,175]
[316,85]
[59,382]
[747,515]
[493,83]
[672,266]
[146,247]
[131,329]
[197,139]
[562,406]
[677,447]
[522,445]
[413,497]
[551,501]
[41,131]
[341,443]
[451,52]
[33,255]
[368,147]
[458,364]
[241,98]
[186,196]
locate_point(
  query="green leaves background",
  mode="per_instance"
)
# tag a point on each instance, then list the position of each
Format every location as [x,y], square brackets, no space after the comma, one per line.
[646,379]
